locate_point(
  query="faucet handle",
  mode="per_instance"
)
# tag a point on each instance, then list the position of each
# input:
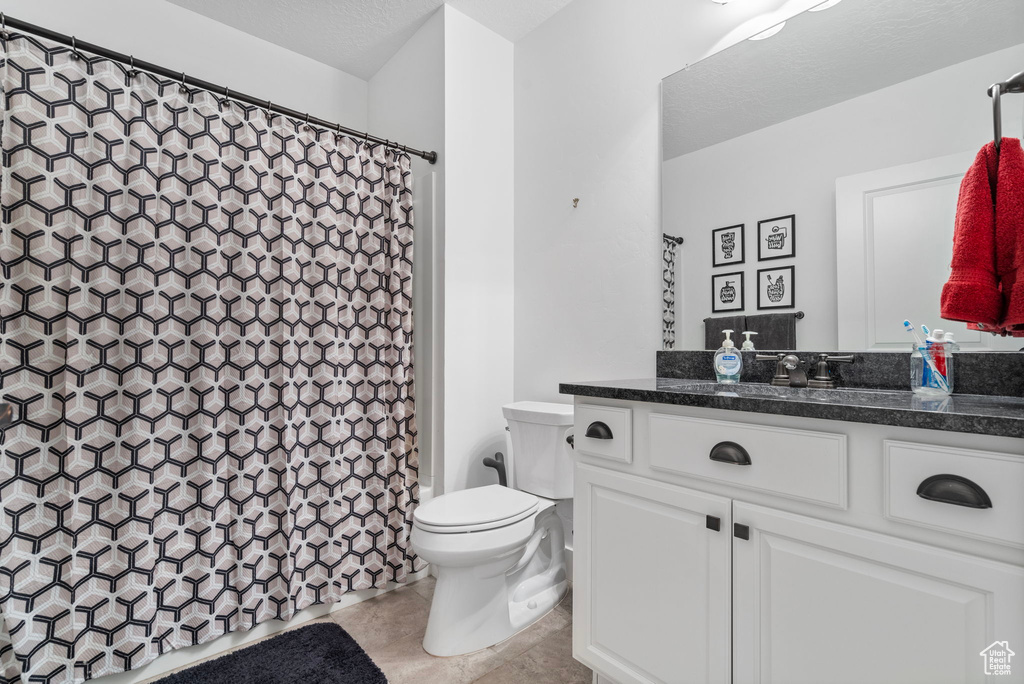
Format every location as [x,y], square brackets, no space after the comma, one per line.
[835,359]
[781,377]
[822,378]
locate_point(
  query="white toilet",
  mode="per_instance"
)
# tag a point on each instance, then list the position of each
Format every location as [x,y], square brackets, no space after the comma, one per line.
[499,552]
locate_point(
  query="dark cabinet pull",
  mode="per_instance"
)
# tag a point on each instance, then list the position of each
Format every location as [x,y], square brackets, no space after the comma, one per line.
[713,523]
[598,430]
[953,489]
[741,531]
[730,452]
[571,441]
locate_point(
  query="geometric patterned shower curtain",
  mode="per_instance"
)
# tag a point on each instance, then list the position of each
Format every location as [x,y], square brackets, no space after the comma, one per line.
[669,244]
[206,333]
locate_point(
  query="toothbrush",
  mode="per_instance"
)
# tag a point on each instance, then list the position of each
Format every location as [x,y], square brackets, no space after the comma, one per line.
[927,356]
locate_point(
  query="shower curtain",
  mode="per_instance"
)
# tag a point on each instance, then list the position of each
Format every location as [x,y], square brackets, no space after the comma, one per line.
[206,332]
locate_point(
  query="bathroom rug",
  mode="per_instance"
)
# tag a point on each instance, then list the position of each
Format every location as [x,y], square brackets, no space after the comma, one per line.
[323,653]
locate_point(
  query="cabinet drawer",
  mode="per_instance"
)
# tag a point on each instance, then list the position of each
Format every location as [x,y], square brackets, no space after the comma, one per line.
[611,429]
[999,478]
[798,464]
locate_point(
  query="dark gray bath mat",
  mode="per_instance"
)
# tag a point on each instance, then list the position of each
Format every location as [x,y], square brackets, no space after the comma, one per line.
[323,653]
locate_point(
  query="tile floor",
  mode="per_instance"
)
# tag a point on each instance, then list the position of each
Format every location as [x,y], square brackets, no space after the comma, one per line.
[390,629]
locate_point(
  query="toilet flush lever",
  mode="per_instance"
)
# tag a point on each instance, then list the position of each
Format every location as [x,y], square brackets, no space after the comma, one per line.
[498,463]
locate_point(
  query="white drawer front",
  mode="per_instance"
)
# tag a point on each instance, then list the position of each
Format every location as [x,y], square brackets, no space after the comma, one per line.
[799,464]
[604,420]
[1000,477]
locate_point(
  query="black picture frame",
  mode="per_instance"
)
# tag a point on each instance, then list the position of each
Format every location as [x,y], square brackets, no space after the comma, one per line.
[740,246]
[728,280]
[764,241]
[764,288]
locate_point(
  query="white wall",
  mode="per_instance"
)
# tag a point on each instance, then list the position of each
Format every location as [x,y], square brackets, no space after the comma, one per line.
[478,251]
[587,125]
[406,102]
[792,167]
[177,38]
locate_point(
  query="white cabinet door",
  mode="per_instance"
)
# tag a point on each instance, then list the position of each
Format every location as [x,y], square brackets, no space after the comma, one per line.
[652,580]
[818,602]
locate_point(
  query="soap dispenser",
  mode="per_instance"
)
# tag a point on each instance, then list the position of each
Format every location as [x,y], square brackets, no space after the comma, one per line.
[748,344]
[728,361]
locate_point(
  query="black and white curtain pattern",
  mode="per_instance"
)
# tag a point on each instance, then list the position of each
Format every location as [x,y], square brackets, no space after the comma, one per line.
[207,337]
[668,291]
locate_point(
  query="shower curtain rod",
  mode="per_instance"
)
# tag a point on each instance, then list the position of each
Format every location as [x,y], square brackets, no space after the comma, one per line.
[78,46]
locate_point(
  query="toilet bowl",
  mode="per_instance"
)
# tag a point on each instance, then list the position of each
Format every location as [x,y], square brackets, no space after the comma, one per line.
[498,552]
[499,569]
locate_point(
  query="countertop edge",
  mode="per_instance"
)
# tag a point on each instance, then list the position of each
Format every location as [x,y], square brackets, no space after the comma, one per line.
[971,424]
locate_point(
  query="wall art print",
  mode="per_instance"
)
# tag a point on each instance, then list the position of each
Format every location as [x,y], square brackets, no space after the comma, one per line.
[727,246]
[775,288]
[727,292]
[776,238]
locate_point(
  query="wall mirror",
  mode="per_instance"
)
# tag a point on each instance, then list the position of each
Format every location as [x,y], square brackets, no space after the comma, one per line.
[838,145]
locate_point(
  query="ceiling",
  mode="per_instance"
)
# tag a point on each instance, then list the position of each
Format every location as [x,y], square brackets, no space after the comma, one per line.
[823,58]
[360,36]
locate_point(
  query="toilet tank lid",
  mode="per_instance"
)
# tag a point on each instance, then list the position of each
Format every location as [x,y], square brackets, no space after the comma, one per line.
[542,412]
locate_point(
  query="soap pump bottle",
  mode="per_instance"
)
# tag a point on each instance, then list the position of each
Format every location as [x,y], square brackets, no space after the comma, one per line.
[748,344]
[728,361]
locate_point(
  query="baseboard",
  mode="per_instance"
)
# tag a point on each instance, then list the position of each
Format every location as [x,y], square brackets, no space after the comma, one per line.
[193,655]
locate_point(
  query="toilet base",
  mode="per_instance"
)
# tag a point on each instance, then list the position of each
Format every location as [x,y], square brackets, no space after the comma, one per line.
[478,606]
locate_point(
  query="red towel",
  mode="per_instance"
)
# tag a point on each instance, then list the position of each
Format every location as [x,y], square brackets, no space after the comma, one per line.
[988,244]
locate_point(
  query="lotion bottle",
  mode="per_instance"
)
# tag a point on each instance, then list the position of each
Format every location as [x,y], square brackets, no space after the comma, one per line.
[728,361]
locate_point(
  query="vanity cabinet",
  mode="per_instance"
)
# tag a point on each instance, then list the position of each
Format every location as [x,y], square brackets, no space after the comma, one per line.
[653,568]
[818,602]
[778,561]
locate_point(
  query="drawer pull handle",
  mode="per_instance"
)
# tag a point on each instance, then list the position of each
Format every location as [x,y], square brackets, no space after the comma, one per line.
[598,430]
[953,489]
[730,452]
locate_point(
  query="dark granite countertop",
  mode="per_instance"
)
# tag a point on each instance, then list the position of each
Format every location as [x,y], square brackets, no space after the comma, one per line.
[973,413]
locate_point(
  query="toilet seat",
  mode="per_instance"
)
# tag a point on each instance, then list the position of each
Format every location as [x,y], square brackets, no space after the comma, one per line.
[475,510]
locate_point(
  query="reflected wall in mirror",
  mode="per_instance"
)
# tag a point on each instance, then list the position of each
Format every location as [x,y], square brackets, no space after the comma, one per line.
[860,120]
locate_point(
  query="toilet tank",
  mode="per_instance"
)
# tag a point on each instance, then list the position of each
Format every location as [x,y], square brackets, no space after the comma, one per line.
[541,458]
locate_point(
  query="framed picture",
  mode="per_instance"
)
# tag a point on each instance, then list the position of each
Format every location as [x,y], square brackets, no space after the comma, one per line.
[776,238]
[775,288]
[727,246]
[727,292]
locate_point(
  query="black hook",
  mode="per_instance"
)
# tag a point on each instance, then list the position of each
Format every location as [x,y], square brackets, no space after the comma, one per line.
[3,27]
[74,48]
[182,88]
[132,72]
